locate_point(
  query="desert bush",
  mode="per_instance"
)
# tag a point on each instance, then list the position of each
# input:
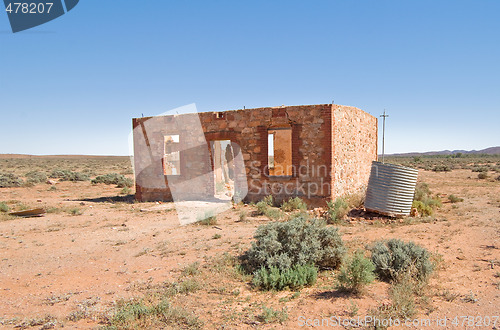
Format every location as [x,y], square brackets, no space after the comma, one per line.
[74,211]
[441,168]
[125,191]
[274,213]
[299,241]
[243,215]
[393,256]
[4,207]
[293,278]
[422,208]
[35,177]
[265,207]
[114,178]
[270,315]
[423,200]
[422,191]
[482,175]
[356,272]
[480,169]
[209,219]
[356,200]
[337,210]
[454,199]
[135,314]
[191,269]
[402,294]
[498,178]
[65,175]
[10,180]
[294,204]
[264,204]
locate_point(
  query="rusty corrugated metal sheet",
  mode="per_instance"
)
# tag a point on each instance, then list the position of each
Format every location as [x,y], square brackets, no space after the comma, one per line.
[390,189]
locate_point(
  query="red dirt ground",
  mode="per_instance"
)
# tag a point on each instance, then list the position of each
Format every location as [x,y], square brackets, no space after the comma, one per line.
[50,265]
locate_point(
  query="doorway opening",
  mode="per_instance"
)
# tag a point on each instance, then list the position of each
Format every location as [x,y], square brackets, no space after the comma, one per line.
[223,169]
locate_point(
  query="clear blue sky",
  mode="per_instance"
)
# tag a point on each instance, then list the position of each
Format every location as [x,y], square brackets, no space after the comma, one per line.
[71,86]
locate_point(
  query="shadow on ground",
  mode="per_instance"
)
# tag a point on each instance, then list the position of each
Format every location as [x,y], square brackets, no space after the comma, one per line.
[129,199]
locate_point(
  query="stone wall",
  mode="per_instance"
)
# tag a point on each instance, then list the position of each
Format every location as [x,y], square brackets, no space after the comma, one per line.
[331,154]
[249,130]
[355,147]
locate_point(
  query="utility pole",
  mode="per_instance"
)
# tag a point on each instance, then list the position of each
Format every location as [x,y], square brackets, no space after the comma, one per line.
[383,136]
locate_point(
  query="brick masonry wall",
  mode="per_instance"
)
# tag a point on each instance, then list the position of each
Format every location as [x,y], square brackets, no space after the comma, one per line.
[355,147]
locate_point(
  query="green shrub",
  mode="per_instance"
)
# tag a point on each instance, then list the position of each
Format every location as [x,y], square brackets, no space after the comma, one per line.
[261,208]
[422,191]
[270,315]
[264,205]
[125,191]
[299,241]
[35,177]
[293,278]
[65,175]
[209,219]
[422,208]
[4,207]
[294,204]
[393,256]
[479,169]
[142,314]
[131,311]
[337,210]
[268,200]
[189,286]
[274,213]
[423,200]
[75,211]
[402,294]
[243,215]
[441,168]
[10,180]
[356,200]
[454,199]
[482,175]
[114,178]
[356,272]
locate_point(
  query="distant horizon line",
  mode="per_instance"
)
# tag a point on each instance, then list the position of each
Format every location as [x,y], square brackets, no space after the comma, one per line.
[5,155]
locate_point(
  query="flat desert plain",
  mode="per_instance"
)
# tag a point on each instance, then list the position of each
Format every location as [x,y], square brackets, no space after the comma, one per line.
[97,250]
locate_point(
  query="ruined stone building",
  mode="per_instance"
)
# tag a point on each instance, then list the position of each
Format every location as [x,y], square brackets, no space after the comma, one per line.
[316,152]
